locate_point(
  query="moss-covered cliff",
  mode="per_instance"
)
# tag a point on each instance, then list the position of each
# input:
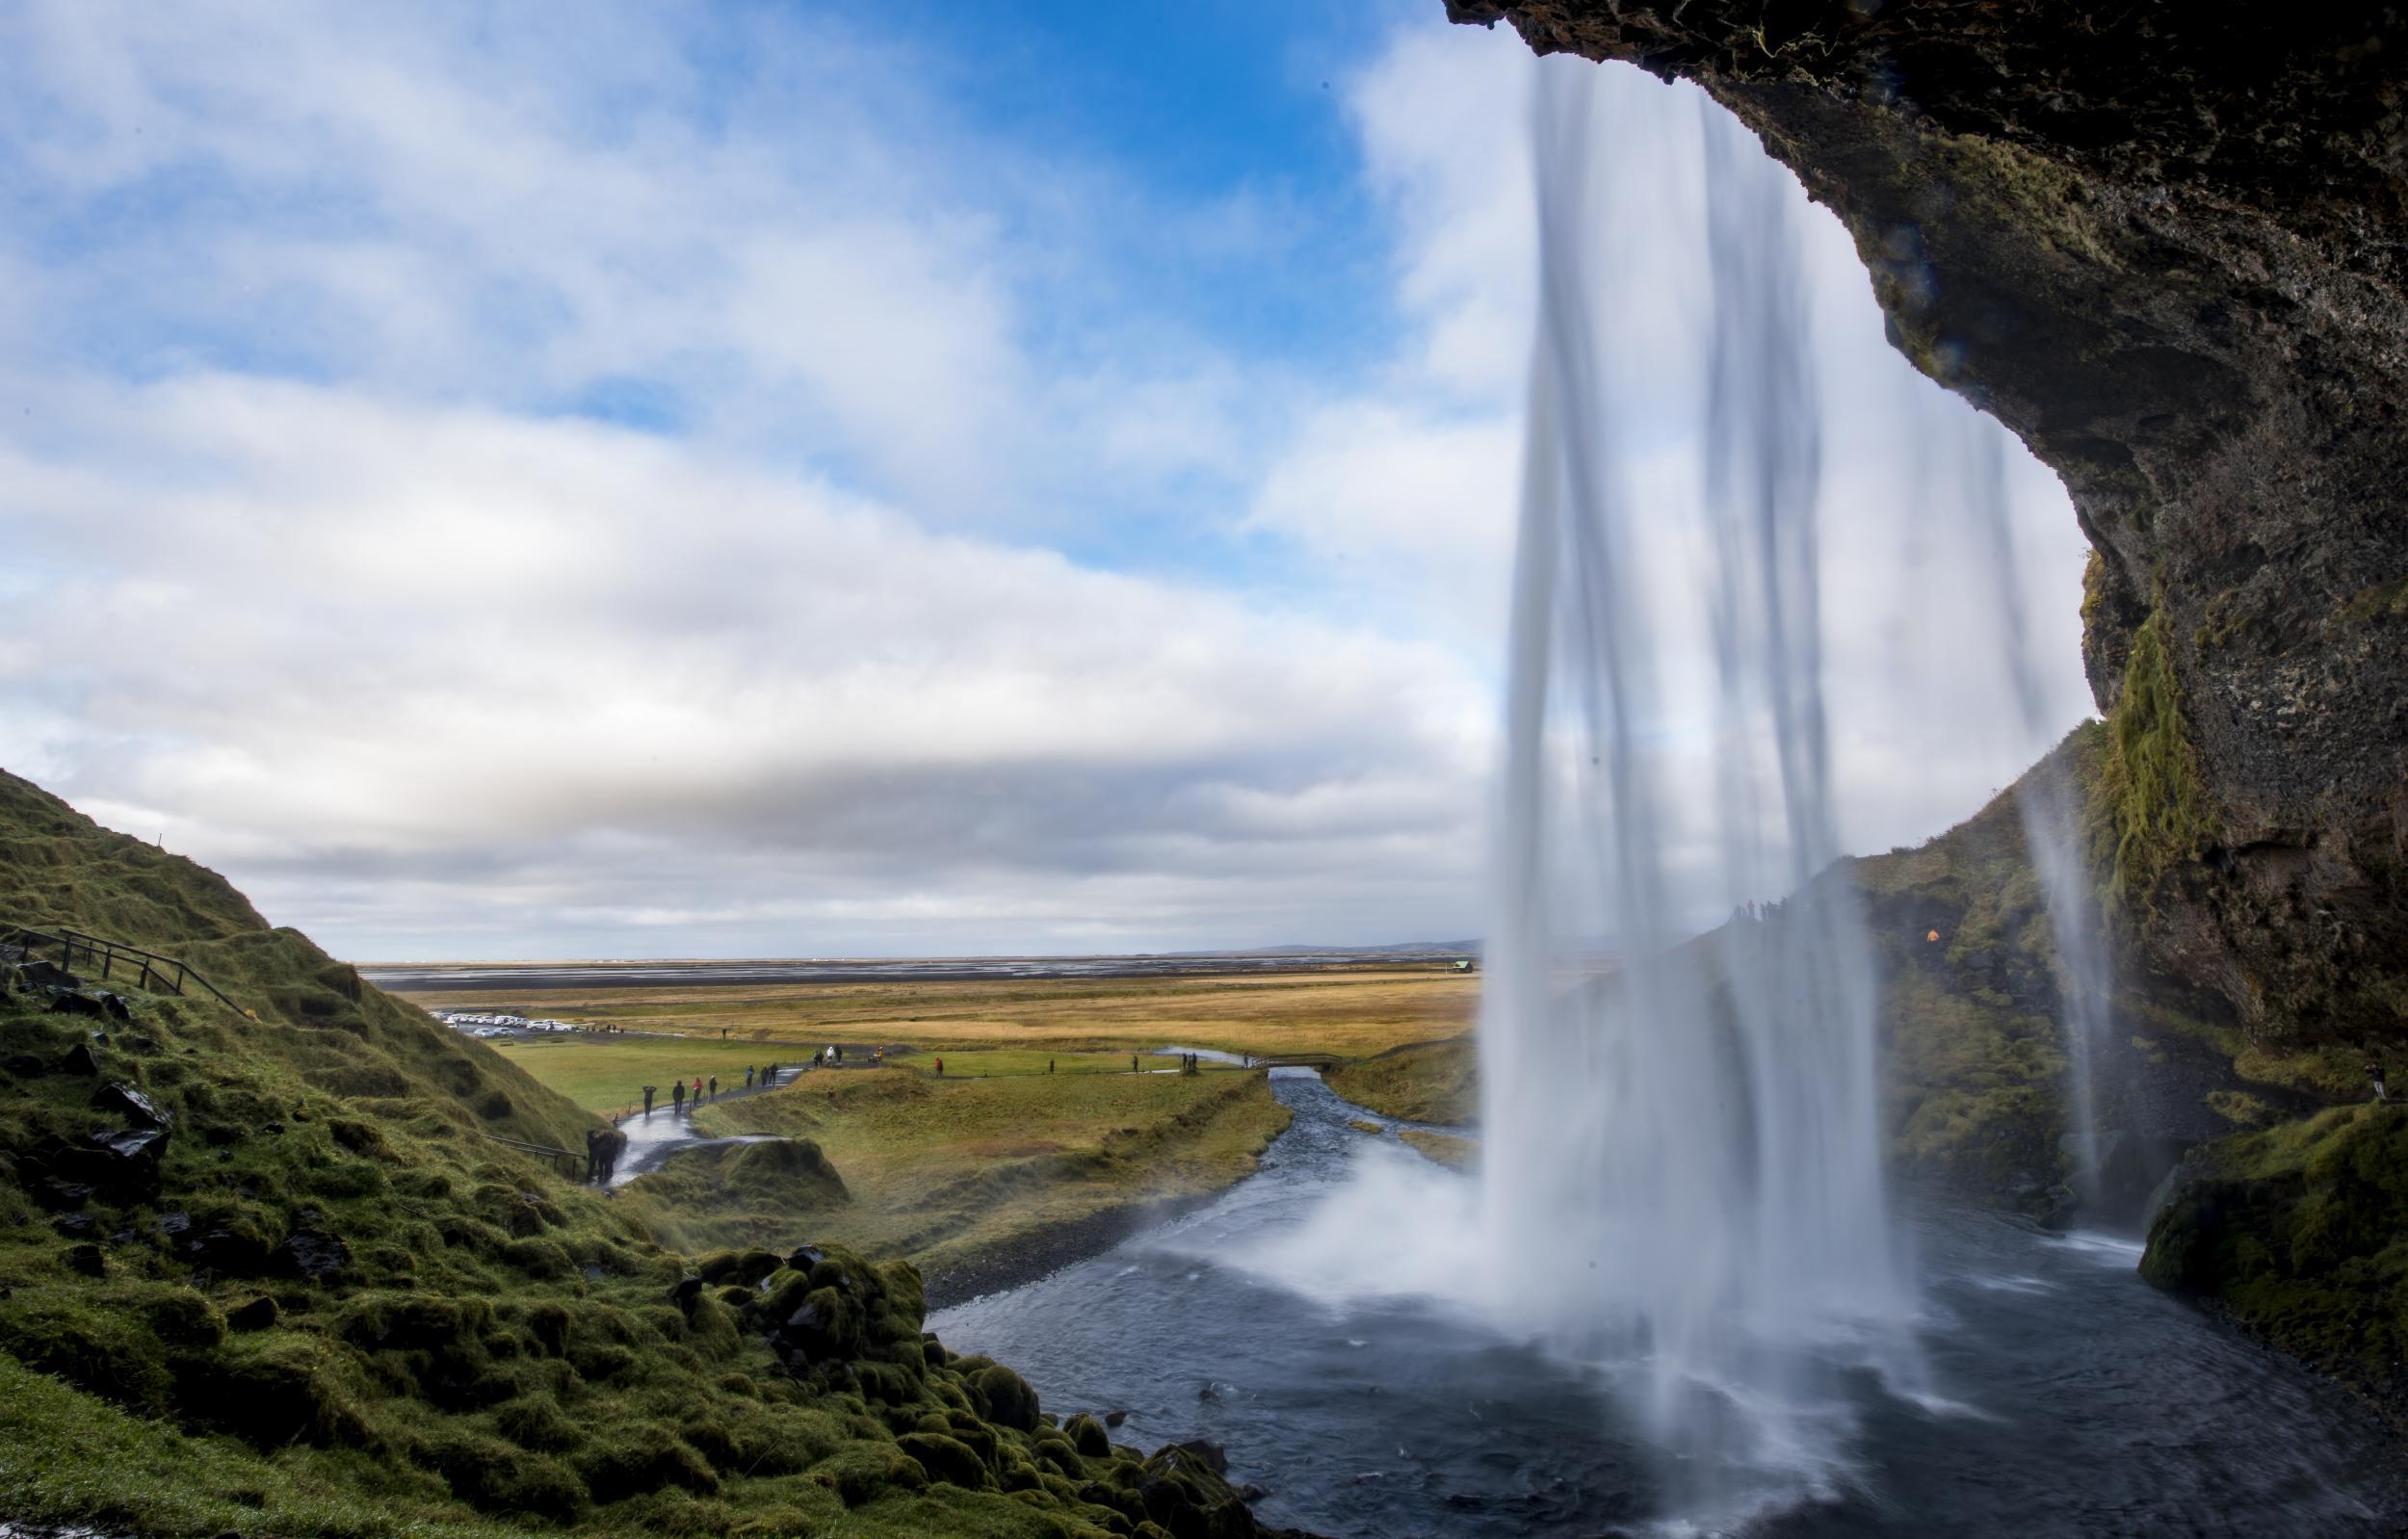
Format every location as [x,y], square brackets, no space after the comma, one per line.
[2164,245]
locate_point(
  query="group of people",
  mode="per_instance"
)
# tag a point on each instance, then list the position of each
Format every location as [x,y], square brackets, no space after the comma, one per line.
[708,1090]
[603,1147]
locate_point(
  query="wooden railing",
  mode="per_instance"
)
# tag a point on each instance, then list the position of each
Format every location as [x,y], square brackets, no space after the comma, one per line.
[91,956]
[571,1163]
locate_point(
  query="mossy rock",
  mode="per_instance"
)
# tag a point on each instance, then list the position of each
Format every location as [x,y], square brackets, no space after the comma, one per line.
[862,1471]
[1005,1398]
[631,1460]
[1088,1434]
[946,1459]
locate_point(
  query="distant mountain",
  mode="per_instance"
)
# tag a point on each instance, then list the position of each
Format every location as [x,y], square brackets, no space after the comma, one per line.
[1399,949]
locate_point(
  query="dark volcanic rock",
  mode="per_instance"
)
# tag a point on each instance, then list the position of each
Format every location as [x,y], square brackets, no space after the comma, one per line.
[2166,245]
[125,1101]
[80,1059]
[48,974]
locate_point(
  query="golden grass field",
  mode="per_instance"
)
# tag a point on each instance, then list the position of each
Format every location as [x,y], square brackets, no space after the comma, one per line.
[992,1027]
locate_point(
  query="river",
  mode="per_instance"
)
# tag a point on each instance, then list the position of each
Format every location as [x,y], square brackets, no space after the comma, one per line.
[2061,1395]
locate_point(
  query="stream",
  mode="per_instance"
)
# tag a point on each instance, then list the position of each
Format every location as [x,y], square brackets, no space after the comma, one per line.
[2060,1393]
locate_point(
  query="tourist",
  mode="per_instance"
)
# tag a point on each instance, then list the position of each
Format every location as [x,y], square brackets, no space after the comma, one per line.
[940,1068]
[747,1075]
[647,1099]
[593,1152]
[1049,1065]
[2374,1072]
[697,1090]
[714,1088]
[1133,1064]
[677,1096]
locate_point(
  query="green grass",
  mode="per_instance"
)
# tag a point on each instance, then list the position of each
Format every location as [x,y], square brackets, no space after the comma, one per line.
[951,1173]
[606,1073]
[1422,1082]
[313,1014]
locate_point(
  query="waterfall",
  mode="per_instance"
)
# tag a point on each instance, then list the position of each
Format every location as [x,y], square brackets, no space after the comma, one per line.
[2050,809]
[1683,1144]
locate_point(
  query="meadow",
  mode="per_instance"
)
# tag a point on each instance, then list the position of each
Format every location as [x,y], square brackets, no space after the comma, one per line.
[1037,1139]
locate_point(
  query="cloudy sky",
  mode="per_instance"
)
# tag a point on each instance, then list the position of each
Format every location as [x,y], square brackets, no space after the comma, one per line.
[742,479]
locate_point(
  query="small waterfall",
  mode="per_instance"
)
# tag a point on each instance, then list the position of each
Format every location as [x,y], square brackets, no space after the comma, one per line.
[2051,809]
[1683,1144]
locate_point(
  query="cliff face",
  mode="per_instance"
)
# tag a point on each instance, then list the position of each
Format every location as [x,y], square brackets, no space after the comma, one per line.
[2164,245]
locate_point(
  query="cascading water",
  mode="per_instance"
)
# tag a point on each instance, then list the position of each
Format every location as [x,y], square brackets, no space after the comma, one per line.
[1684,1149]
[2050,807]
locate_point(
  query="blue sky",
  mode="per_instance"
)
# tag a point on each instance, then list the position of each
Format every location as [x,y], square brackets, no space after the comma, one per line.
[750,478]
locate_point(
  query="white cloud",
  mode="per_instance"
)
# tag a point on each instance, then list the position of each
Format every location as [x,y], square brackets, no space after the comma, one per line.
[340,632]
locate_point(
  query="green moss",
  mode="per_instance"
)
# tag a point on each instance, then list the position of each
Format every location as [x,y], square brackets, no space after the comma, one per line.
[2301,1230]
[2152,807]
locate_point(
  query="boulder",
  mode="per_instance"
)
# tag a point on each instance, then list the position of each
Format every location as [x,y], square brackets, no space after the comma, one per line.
[1088,1436]
[1008,1399]
[39,974]
[22,1065]
[122,1100]
[87,1259]
[74,1001]
[80,1059]
[945,1458]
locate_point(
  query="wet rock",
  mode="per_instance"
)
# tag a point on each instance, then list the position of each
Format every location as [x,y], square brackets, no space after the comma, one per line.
[172,1225]
[684,1291]
[1114,1417]
[1210,1453]
[22,1065]
[74,1225]
[80,1059]
[256,1316]
[39,974]
[312,1255]
[121,1164]
[123,1100]
[72,1001]
[88,1260]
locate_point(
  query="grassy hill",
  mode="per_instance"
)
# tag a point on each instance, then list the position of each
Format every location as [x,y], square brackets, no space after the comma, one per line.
[315,1015]
[268,1277]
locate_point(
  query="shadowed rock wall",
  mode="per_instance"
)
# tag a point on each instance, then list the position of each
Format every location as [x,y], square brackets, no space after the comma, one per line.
[2163,244]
